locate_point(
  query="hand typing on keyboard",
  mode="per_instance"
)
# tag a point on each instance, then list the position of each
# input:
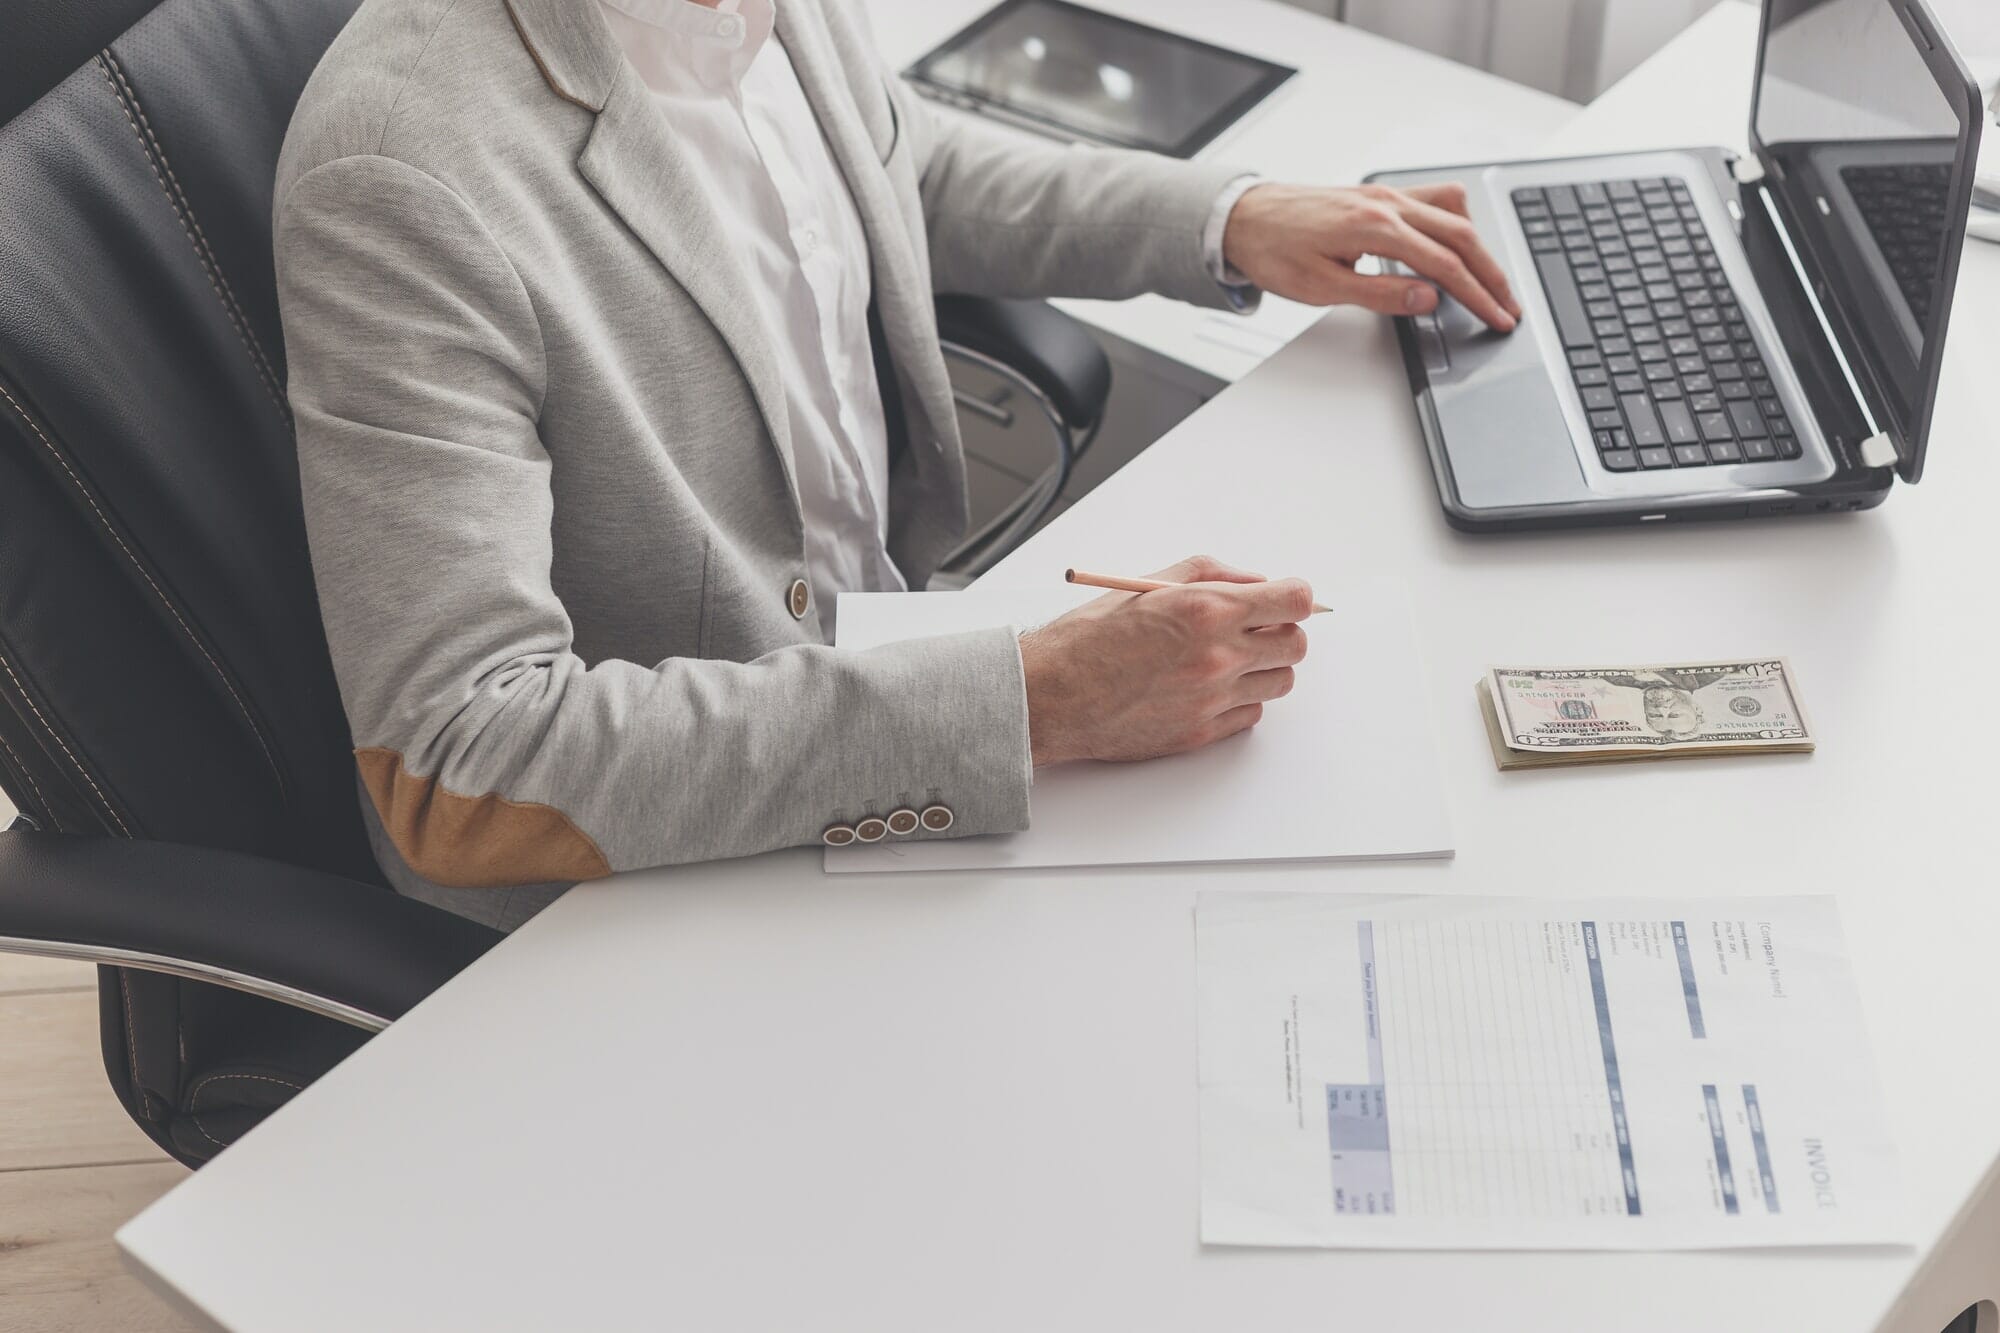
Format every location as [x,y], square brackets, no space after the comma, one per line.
[1303,243]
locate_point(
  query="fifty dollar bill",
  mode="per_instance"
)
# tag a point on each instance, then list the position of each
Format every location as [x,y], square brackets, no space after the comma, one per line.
[1570,715]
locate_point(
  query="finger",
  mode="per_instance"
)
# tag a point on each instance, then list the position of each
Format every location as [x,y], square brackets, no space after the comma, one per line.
[1277,602]
[1444,267]
[1455,231]
[1263,686]
[1240,718]
[1274,646]
[1448,195]
[1205,569]
[1384,294]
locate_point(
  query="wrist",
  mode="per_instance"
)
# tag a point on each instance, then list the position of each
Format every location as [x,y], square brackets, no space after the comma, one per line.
[1239,228]
[1214,237]
[1047,732]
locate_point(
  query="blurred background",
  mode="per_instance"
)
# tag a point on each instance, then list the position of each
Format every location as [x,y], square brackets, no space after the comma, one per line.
[1578,48]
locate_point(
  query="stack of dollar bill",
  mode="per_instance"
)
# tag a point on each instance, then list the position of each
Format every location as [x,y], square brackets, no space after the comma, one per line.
[1541,716]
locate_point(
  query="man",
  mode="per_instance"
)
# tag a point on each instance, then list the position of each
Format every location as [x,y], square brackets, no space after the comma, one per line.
[578,298]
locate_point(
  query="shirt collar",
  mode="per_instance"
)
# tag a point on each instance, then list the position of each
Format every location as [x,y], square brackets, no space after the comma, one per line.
[721,26]
[676,39]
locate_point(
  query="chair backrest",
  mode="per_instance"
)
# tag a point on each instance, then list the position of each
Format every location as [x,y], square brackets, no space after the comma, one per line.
[163,672]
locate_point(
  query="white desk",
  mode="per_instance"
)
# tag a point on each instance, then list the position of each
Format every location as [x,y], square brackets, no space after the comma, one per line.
[748,1096]
[1358,104]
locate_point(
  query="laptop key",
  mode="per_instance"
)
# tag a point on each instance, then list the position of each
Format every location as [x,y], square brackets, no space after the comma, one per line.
[1620,460]
[1714,426]
[1563,299]
[1758,451]
[1606,420]
[1628,384]
[1690,455]
[1679,423]
[1597,397]
[1788,446]
[1745,418]
[1645,423]
[1725,451]
[1657,457]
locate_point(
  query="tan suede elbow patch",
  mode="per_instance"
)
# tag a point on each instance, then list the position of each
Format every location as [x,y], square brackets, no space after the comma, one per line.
[474,842]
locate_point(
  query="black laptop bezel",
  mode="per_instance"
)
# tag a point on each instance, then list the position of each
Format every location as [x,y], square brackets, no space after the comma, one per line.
[1909,433]
[1270,77]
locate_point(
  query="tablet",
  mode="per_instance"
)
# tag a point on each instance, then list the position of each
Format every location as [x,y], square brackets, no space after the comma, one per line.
[1076,73]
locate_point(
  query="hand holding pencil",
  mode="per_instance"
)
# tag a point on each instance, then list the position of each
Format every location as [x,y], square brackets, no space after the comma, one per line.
[1192,660]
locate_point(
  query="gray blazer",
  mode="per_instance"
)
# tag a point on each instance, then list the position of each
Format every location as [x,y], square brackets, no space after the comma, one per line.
[545,461]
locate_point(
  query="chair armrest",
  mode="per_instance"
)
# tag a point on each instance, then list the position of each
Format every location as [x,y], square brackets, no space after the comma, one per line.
[1049,349]
[353,951]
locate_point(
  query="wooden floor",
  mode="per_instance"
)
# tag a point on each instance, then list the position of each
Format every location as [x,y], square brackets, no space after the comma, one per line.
[73,1167]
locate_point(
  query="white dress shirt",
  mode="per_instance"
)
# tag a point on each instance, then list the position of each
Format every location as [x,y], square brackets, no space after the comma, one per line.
[732,98]
[735,103]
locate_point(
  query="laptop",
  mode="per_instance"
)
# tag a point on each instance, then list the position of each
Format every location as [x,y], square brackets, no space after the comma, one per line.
[1708,335]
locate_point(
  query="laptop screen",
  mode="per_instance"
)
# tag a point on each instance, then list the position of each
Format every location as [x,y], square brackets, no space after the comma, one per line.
[1864,144]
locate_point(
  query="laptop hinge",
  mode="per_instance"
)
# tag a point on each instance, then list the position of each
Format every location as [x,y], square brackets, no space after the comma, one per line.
[1747,169]
[1878,450]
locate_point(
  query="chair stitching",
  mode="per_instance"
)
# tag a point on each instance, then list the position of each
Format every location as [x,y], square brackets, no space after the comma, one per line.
[22,690]
[132,1044]
[195,1093]
[183,216]
[145,574]
[33,786]
[215,260]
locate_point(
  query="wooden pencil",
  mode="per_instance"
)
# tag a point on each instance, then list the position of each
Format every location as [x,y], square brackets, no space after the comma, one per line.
[1118,584]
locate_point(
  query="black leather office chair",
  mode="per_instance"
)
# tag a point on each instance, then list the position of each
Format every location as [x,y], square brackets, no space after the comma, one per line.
[169,726]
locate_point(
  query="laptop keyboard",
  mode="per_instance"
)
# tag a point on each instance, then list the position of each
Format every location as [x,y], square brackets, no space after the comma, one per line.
[1904,207]
[1668,370]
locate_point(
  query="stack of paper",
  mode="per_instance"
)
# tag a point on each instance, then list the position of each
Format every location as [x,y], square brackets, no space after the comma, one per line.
[1438,1073]
[1343,767]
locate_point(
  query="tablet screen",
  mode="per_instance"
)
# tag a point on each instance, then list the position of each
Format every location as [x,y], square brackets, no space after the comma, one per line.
[1082,74]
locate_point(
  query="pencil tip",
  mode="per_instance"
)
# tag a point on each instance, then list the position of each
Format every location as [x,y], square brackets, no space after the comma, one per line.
[1069,576]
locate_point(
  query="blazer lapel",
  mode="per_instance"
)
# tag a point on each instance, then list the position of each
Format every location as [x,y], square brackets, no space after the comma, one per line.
[909,318]
[630,160]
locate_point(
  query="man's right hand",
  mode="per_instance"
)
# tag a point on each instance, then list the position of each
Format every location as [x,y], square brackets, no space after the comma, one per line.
[1135,676]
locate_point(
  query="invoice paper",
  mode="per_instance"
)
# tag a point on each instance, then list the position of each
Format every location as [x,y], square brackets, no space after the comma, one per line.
[1438,1073]
[1343,767]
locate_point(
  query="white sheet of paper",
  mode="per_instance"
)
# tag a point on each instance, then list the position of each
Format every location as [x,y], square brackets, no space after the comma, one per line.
[1344,767]
[1441,1073]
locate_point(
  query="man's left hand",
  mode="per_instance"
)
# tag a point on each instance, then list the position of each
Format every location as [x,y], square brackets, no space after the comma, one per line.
[1303,243]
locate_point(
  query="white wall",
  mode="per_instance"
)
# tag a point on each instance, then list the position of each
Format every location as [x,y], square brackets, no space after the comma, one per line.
[1573,48]
[1578,48]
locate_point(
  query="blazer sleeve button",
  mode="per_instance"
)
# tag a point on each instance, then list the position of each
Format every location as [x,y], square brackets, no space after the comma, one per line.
[797,598]
[837,835]
[871,829]
[903,822]
[937,818]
